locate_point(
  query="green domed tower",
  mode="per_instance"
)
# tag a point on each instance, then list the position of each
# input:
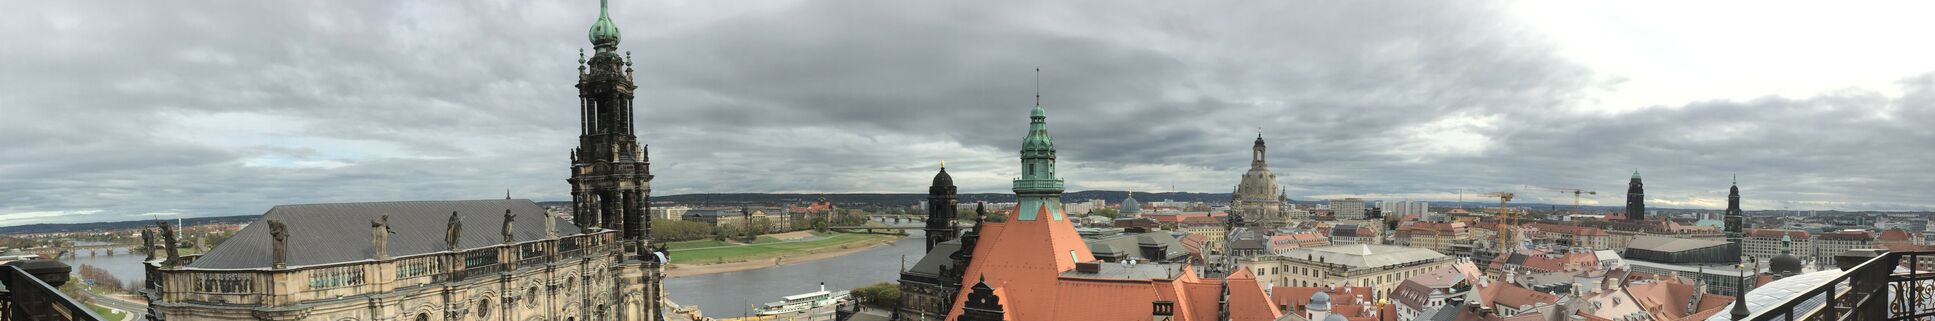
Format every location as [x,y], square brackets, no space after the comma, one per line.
[1038,184]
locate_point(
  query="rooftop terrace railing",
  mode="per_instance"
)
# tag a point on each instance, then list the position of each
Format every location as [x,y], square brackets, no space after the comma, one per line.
[1880,287]
[25,297]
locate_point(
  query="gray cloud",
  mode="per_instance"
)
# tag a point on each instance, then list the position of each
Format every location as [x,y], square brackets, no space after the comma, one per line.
[115,110]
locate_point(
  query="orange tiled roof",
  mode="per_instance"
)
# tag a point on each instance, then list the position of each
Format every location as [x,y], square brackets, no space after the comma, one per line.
[1894,234]
[1024,260]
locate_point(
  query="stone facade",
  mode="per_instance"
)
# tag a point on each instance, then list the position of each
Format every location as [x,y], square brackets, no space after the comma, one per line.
[576,277]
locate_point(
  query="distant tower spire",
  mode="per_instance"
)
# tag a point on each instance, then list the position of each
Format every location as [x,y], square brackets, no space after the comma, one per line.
[507,193]
[1038,86]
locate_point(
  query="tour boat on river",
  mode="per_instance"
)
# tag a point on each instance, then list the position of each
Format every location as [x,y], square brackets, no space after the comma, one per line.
[804,301]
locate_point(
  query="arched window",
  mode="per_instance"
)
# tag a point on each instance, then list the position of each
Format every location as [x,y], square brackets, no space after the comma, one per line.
[423,317]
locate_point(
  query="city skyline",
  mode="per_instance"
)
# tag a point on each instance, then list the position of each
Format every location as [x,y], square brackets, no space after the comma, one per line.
[172,110]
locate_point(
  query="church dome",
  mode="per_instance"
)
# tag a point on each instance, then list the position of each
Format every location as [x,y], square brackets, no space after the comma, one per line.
[1335,317]
[1129,205]
[1785,265]
[1319,301]
[942,179]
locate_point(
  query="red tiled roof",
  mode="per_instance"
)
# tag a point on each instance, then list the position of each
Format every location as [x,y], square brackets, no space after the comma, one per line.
[1894,234]
[1515,296]
[1024,260]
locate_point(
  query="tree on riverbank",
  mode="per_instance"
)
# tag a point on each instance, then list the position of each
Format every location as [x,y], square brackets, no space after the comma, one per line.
[881,295]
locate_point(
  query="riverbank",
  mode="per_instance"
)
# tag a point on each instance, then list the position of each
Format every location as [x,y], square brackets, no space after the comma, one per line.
[757,256]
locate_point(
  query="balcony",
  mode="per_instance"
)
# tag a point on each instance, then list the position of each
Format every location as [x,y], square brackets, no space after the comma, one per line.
[1872,286]
[24,296]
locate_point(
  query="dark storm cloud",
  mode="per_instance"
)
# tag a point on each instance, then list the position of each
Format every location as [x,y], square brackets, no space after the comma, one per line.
[114,110]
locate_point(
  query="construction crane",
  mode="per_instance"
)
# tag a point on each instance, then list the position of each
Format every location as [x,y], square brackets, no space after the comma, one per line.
[1576,194]
[1507,222]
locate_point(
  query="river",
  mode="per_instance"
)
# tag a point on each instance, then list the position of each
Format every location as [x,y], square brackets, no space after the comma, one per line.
[125,266]
[731,293]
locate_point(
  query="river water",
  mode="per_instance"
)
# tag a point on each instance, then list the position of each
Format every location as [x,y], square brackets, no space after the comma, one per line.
[732,293]
[718,294]
[122,265]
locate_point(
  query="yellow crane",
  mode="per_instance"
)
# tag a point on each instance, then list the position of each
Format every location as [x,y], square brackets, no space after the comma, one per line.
[1576,195]
[1507,222]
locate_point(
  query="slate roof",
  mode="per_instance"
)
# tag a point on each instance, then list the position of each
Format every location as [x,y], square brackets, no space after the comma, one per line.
[340,232]
[1130,245]
[930,264]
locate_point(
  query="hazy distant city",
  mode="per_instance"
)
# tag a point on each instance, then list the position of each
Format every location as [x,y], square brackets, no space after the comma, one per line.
[920,161]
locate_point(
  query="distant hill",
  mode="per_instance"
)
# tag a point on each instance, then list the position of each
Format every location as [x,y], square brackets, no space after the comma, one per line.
[122,225]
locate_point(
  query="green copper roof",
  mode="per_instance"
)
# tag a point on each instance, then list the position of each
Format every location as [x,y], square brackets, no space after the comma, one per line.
[1038,132]
[604,34]
[1635,174]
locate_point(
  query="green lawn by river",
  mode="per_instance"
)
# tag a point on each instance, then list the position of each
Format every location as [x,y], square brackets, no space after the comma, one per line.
[710,251]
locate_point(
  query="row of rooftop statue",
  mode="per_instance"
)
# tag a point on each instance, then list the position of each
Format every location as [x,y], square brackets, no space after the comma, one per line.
[380,232]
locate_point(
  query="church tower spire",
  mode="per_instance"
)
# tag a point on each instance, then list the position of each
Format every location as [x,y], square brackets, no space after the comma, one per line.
[941,200]
[1734,219]
[1635,199]
[1038,185]
[611,175]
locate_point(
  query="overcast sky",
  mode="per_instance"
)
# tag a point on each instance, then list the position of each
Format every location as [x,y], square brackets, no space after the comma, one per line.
[117,110]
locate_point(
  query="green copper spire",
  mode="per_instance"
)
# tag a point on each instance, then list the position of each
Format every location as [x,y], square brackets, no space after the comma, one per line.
[1786,244]
[604,34]
[1038,186]
[1635,174]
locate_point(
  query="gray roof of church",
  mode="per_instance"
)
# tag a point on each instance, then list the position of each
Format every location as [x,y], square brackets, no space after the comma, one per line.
[931,263]
[340,232]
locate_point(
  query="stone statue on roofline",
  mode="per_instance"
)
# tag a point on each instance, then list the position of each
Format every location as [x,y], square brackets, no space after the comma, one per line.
[508,218]
[148,243]
[380,237]
[279,248]
[168,236]
[550,226]
[453,231]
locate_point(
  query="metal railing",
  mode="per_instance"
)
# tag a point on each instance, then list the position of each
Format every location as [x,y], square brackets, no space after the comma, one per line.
[25,297]
[1878,288]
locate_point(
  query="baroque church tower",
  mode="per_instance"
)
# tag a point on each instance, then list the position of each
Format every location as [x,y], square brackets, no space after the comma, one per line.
[941,200]
[611,176]
[1258,199]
